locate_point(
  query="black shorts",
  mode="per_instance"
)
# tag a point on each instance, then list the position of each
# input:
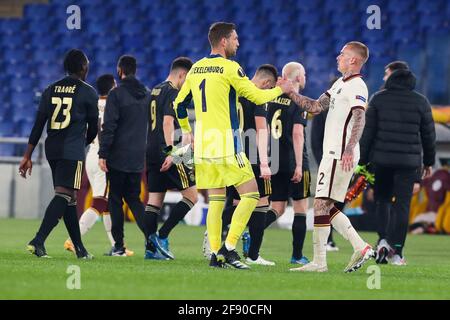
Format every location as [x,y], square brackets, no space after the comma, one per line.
[283,188]
[66,173]
[177,177]
[264,186]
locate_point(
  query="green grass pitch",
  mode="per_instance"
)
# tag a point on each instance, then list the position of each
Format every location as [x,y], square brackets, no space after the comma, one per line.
[23,276]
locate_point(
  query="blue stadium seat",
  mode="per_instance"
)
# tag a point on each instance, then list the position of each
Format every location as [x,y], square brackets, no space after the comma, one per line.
[362,5]
[404,35]
[286,45]
[310,18]
[316,33]
[337,7]
[432,21]
[317,48]
[107,67]
[429,7]
[312,32]
[6,130]
[18,69]
[243,16]
[413,54]
[106,56]
[105,42]
[279,17]
[400,6]
[255,61]
[282,59]
[315,61]
[438,53]
[343,19]
[22,83]
[402,20]
[14,40]
[37,27]
[376,35]
[379,48]
[253,46]
[23,127]
[21,97]
[15,55]
[99,27]
[133,42]
[13,26]
[375,72]
[3,113]
[43,41]
[345,34]
[163,59]
[307,6]
[37,12]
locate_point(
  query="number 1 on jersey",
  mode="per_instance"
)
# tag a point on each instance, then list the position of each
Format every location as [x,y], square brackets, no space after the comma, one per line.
[202,87]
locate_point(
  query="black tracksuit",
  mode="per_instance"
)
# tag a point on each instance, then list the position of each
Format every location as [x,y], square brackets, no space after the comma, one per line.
[123,144]
[398,135]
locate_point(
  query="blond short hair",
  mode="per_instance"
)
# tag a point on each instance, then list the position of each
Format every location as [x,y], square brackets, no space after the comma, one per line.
[360,48]
[293,70]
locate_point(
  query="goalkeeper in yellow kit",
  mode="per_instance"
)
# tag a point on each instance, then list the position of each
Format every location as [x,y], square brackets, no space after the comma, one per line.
[214,83]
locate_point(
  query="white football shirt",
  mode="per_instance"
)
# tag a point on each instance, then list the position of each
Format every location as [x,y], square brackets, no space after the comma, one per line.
[345,96]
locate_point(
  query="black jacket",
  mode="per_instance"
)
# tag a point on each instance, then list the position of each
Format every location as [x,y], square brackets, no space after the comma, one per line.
[399,126]
[124,135]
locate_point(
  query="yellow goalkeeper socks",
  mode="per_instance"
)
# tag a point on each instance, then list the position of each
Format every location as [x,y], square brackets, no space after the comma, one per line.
[214,221]
[240,218]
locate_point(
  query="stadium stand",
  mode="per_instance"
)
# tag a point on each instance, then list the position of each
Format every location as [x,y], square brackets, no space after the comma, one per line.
[313,32]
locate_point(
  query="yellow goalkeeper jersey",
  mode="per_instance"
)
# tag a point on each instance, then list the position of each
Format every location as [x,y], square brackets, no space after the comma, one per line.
[214,84]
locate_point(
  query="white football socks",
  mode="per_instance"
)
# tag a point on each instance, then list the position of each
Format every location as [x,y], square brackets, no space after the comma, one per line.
[87,220]
[320,239]
[229,247]
[342,224]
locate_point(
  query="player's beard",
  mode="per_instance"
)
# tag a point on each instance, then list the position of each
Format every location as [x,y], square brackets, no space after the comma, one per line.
[230,52]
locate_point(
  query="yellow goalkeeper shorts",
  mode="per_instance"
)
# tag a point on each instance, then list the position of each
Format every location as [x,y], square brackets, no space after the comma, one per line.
[222,172]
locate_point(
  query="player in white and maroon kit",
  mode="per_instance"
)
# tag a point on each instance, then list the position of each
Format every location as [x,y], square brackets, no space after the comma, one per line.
[97,178]
[346,102]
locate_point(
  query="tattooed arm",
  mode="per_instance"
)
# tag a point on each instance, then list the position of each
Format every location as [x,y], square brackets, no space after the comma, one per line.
[357,130]
[311,105]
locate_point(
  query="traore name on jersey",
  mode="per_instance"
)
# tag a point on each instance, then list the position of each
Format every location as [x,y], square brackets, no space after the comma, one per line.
[67,105]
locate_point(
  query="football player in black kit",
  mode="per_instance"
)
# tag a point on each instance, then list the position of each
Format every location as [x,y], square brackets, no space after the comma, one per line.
[163,173]
[69,107]
[287,125]
[253,124]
